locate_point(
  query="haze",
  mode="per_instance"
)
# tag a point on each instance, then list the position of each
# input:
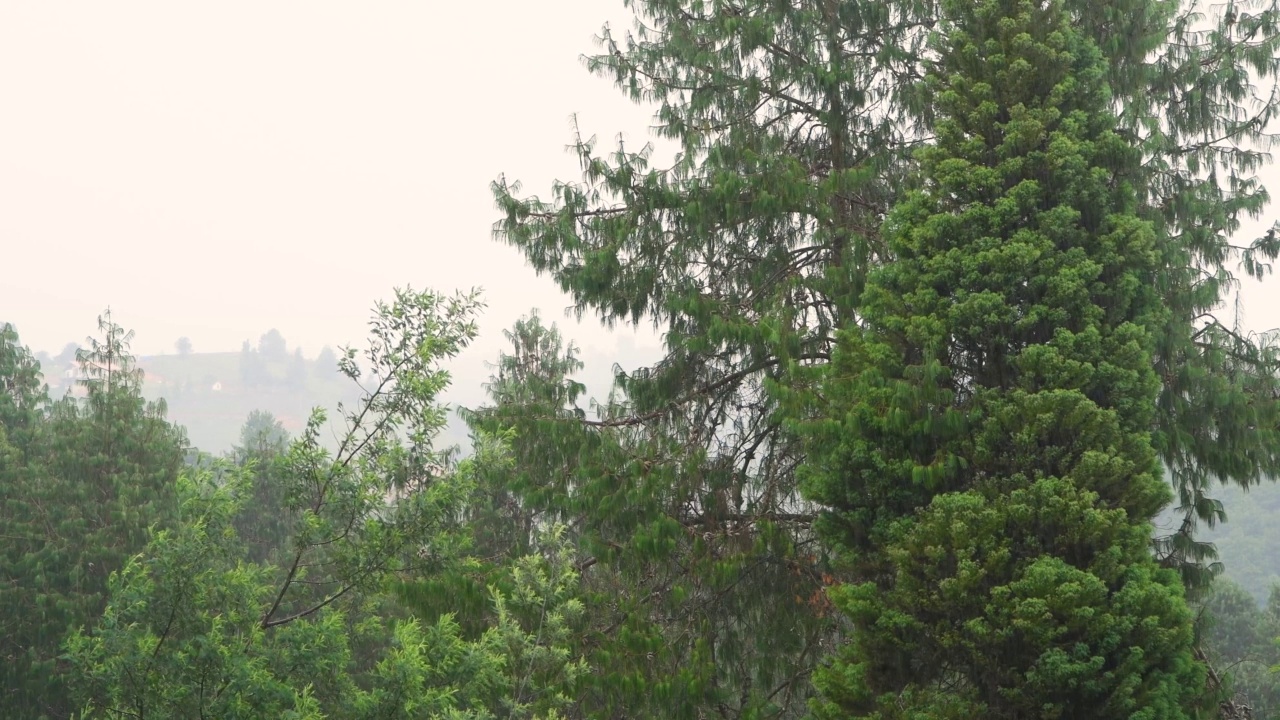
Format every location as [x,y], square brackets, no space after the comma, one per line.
[217,170]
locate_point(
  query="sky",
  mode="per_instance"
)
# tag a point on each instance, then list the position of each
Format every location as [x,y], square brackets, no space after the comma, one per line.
[215,170]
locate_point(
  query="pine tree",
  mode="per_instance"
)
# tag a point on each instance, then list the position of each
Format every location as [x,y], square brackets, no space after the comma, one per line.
[534,379]
[22,392]
[983,440]
[116,449]
[749,252]
[650,576]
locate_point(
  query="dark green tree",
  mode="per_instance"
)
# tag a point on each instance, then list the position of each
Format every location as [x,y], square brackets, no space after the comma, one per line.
[538,372]
[91,481]
[23,394]
[23,404]
[653,567]
[983,440]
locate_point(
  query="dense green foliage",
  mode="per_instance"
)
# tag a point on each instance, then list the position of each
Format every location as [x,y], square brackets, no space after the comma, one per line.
[186,636]
[258,585]
[984,439]
[82,482]
[939,284]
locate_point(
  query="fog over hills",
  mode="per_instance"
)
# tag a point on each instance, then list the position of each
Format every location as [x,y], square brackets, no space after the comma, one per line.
[212,394]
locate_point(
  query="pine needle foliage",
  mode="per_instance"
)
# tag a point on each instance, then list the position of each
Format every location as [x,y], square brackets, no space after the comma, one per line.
[983,439]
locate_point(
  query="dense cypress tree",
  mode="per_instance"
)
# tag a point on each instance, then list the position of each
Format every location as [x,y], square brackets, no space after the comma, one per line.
[984,439]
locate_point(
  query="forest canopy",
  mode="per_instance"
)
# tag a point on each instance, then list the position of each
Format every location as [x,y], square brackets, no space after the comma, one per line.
[943,292]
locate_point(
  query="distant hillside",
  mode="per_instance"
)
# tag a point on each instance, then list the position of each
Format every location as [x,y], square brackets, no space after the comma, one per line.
[1249,542]
[212,394]
[207,393]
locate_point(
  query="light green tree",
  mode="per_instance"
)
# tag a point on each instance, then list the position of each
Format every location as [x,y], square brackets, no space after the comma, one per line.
[183,637]
[193,629]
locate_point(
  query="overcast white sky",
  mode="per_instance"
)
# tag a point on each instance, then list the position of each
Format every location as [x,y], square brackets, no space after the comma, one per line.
[218,169]
[214,170]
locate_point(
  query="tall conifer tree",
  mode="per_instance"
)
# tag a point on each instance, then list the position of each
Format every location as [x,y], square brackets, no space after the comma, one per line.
[984,438]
